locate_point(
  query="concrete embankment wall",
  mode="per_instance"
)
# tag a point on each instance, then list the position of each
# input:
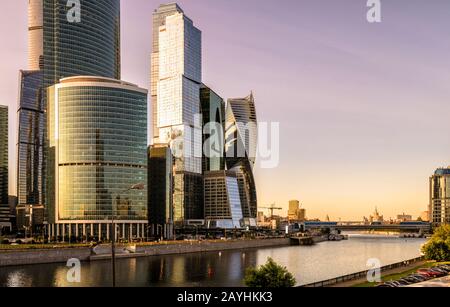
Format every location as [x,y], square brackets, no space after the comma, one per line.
[44,256]
[61,255]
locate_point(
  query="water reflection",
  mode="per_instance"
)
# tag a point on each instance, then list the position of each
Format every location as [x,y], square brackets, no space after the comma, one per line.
[222,269]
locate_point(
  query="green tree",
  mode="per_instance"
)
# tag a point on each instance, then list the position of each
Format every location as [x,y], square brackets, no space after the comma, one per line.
[270,275]
[438,247]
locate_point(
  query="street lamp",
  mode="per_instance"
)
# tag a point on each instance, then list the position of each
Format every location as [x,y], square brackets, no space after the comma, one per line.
[138,186]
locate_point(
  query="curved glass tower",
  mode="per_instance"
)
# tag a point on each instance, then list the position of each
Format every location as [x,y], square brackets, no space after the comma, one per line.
[241,136]
[90,47]
[97,153]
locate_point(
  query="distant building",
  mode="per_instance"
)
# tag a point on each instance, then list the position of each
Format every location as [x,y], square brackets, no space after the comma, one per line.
[222,201]
[5,216]
[425,216]
[404,218]
[295,213]
[376,217]
[439,206]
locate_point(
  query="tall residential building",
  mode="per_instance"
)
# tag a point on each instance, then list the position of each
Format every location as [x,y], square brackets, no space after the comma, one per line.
[97,155]
[439,206]
[160,192]
[213,115]
[178,57]
[222,201]
[241,136]
[4,202]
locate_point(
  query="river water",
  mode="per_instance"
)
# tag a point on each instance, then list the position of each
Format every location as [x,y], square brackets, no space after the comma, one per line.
[224,269]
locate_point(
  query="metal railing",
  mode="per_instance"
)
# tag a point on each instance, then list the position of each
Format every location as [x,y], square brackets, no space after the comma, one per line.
[363,274]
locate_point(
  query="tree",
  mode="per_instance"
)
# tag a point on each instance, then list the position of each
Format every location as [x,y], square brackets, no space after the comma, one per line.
[270,275]
[438,247]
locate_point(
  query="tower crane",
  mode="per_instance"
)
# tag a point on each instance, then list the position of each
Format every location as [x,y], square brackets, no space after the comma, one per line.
[272,208]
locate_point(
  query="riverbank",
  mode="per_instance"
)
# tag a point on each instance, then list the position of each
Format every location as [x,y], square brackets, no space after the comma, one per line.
[54,254]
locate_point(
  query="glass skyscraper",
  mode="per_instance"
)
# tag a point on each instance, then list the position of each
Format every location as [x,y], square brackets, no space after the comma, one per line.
[97,152]
[177,71]
[222,200]
[213,115]
[241,136]
[90,47]
[4,203]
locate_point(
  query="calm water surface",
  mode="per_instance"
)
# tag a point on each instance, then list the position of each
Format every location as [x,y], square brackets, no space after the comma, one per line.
[224,269]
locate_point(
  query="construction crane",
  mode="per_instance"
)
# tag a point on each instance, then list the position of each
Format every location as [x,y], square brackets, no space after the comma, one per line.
[271,209]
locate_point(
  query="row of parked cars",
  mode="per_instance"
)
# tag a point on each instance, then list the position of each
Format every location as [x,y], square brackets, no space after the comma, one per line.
[420,276]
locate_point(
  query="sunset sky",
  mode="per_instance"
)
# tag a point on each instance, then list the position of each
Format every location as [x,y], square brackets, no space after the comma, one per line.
[363,108]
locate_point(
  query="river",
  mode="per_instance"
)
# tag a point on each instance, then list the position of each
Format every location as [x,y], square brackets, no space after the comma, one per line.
[223,269]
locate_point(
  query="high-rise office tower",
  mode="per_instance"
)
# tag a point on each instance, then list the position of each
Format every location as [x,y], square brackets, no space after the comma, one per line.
[241,135]
[159,20]
[178,58]
[160,193]
[4,202]
[222,201]
[439,206]
[97,157]
[90,47]
[58,47]
[213,115]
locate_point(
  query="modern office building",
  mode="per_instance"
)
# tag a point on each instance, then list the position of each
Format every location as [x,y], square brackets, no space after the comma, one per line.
[58,48]
[160,193]
[295,213]
[241,135]
[97,133]
[87,48]
[178,58]
[5,218]
[213,115]
[222,201]
[439,206]
[159,20]
[30,146]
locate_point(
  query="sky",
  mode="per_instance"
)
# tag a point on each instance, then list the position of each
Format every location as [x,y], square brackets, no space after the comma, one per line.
[362,106]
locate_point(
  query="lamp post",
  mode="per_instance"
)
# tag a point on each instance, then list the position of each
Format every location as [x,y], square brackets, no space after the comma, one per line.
[139,186]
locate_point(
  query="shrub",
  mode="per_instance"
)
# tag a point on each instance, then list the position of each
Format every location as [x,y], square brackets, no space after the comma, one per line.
[270,275]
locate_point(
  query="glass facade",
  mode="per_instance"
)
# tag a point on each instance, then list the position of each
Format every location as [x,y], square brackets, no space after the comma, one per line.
[98,150]
[213,115]
[160,179]
[440,197]
[177,59]
[241,136]
[30,140]
[222,201]
[90,47]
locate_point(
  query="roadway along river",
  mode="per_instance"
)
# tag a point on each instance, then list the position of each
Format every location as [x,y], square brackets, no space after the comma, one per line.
[308,263]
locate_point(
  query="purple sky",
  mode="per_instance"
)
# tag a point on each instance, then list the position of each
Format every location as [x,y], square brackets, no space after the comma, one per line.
[362,107]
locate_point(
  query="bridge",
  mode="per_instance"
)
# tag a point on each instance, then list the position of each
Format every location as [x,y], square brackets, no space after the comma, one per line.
[353,226]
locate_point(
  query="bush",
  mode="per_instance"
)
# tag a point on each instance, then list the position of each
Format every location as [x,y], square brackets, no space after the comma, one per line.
[270,275]
[438,247]
[5,241]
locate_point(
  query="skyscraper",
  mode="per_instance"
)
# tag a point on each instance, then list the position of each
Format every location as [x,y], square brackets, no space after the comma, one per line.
[241,136]
[222,201]
[178,57]
[90,47]
[59,48]
[4,202]
[160,192]
[97,154]
[213,115]
[439,207]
